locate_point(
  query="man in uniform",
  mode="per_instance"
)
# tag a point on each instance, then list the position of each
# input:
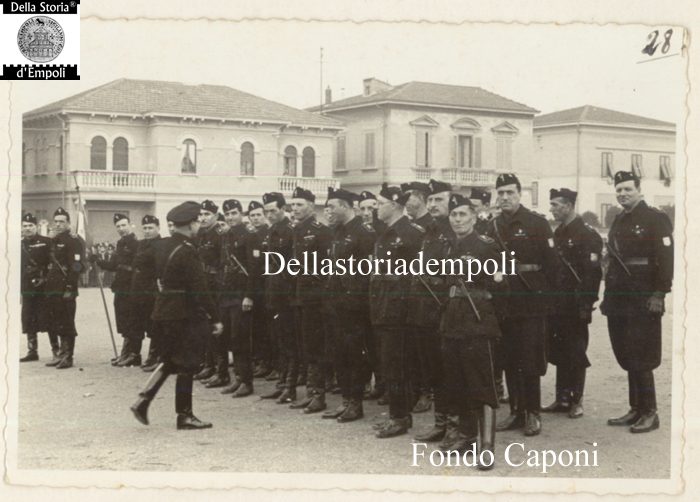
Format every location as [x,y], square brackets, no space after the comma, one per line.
[209,248]
[579,248]
[311,238]
[121,263]
[416,208]
[34,264]
[640,274]
[61,288]
[468,328]
[186,311]
[527,238]
[279,288]
[349,302]
[390,304]
[143,290]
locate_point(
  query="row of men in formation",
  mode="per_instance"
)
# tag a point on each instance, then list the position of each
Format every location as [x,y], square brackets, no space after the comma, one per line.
[201,293]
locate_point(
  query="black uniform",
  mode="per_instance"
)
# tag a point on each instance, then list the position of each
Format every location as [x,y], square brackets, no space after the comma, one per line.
[143,294]
[61,292]
[642,239]
[579,247]
[208,244]
[389,308]
[483,220]
[34,263]
[265,350]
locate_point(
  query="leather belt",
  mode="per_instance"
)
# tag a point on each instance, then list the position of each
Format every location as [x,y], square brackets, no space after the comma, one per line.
[457,292]
[637,261]
[527,267]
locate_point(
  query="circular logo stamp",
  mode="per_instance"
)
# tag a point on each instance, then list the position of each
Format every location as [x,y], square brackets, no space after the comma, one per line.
[40,39]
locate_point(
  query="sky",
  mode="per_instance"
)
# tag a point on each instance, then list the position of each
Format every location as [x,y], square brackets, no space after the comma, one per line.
[547,67]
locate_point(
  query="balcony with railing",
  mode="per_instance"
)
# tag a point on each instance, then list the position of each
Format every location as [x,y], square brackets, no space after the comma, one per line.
[459,176]
[126,181]
[317,186]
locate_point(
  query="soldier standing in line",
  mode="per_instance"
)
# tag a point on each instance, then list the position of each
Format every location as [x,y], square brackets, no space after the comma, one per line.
[350,307]
[121,263]
[143,290]
[468,328]
[579,247]
[185,311]
[209,249]
[390,305]
[527,238]
[640,274]
[279,288]
[35,261]
[62,288]
[310,237]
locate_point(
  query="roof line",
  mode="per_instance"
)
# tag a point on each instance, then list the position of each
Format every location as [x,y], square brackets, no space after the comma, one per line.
[430,105]
[628,125]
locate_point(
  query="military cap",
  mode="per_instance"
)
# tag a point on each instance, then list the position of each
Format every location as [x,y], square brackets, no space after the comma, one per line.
[61,212]
[435,186]
[564,193]
[394,194]
[150,219]
[479,194]
[366,195]
[507,179]
[622,176]
[119,217]
[185,213]
[232,204]
[274,197]
[208,205]
[457,200]
[253,205]
[341,194]
[302,193]
[28,218]
[415,185]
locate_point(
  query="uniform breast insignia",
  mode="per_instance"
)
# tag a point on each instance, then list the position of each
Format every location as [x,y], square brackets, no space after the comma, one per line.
[594,257]
[418,227]
[570,243]
[486,239]
[520,232]
[638,230]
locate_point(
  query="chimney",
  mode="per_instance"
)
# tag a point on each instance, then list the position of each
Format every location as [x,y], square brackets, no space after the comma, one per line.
[373,85]
[328,95]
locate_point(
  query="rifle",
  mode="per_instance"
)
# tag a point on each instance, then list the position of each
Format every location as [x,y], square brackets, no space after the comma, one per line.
[230,256]
[617,257]
[469,297]
[432,293]
[570,267]
[505,248]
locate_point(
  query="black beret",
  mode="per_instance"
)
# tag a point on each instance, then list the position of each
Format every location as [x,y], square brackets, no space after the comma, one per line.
[28,218]
[435,186]
[416,185]
[394,194]
[185,213]
[341,194]
[622,176]
[150,219]
[208,205]
[479,194]
[564,193]
[61,212]
[253,205]
[232,204]
[365,195]
[457,200]
[274,197]
[507,179]
[302,193]
[119,217]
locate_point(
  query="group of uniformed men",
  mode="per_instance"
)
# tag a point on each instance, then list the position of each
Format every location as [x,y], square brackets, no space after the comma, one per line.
[422,340]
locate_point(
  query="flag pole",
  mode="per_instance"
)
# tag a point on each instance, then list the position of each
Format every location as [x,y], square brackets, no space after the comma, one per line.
[99,278]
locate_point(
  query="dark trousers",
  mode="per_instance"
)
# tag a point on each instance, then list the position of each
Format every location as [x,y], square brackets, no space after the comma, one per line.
[568,342]
[282,322]
[264,347]
[394,354]
[183,387]
[349,359]
[427,345]
[642,391]
[241,341]
[314,348]
[373,345]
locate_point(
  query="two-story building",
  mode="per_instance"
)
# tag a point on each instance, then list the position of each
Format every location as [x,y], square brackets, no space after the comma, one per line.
[582,148]
[420,130]
[139,147]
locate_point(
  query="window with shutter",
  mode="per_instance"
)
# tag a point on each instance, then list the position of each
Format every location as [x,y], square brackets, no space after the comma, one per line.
[340,153]
[477,152]
[637,165]
[369,149]
[98,153]
[120,155]
[247,159]
[606,165]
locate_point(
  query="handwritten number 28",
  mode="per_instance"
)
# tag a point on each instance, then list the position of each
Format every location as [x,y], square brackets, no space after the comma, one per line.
[651,47]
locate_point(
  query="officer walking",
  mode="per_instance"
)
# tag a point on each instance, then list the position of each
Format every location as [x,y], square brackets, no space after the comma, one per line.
[579,248]
[34,265]
[61,288]
[186,311]
[640,274]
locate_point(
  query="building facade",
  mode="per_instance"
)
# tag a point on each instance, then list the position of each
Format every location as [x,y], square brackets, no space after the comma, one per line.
[582,148]
[142,147]
[419,130]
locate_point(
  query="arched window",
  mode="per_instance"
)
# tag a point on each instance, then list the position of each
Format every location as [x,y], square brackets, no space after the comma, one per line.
[120,155]
[247,159]
[98,153]
[308,162]
[290,161]
[189,157]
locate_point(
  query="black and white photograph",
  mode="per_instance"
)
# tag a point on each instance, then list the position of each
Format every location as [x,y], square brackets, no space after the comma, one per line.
[274,252]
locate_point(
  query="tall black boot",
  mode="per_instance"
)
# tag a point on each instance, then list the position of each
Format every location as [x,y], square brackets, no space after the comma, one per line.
[561,399]
[648,419]
[66,352]
[154,383]
[183,405]
[634,412]
[124,352]
[531,392]
[578,382]
[468,431]
[152,359]
[487,438]
[55,349]
[133,355]
[32,349]
[516,418]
